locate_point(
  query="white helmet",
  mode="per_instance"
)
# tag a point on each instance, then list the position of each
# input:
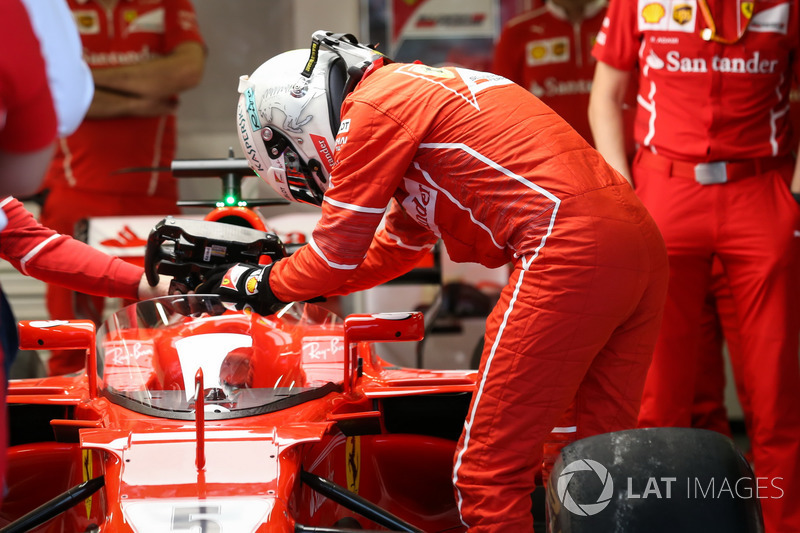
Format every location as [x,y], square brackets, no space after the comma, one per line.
[288,113]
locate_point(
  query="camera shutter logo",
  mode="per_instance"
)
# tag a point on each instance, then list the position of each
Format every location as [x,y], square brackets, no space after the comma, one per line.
[584,509]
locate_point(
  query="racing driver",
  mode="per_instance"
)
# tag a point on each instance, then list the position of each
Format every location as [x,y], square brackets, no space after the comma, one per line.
[477,161]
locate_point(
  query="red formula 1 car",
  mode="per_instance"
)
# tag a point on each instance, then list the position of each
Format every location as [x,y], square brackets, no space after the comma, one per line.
[191,417]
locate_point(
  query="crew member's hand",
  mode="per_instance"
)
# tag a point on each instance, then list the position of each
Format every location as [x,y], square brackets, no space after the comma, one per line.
[146,292]
[243,287]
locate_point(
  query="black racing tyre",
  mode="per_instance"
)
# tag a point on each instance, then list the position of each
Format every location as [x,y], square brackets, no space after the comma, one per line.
[655,480]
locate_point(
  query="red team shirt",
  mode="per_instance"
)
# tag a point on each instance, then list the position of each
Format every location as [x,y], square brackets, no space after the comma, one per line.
[552,57]
[706,103]
[27,115]
[135,31]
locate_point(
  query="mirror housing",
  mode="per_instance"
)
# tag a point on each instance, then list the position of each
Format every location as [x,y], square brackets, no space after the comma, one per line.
[378,327]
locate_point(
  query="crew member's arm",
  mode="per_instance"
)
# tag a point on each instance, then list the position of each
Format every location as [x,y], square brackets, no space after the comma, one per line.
[44,254]
[606,115]
[147,88]
[109,104]
[68,75]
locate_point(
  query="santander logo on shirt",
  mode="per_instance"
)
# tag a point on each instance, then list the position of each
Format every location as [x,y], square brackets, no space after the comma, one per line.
[674,62]
[554,87]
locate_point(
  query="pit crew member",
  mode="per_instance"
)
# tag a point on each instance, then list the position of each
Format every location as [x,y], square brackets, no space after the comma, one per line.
[478,161]
[143,53]
[548,50]
[715,169]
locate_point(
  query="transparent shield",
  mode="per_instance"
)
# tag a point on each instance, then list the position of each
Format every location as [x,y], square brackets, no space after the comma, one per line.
[149,355]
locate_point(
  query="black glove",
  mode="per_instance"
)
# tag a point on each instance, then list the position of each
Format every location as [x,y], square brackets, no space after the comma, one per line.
[242,287]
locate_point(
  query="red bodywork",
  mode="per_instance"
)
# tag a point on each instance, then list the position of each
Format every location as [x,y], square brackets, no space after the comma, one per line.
[307,394]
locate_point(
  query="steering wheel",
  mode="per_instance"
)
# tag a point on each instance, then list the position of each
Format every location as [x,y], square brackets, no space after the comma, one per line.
[188,249]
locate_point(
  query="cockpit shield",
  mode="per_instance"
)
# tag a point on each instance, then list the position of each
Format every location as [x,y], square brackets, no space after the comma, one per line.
[148,355]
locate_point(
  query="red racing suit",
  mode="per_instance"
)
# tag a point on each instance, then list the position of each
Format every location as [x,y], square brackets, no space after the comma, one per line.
[87,177]
[733,123]
[477,161]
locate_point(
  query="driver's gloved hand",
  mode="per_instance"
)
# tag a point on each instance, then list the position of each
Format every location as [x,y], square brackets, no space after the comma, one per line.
[242,286]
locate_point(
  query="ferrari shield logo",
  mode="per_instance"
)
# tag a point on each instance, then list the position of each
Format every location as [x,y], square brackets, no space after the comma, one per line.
[353,457]
[747,10]
[228,282]
[87,475]
[435,72]
[231,278]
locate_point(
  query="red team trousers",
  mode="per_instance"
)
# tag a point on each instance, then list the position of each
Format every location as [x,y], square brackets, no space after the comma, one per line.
[751,225]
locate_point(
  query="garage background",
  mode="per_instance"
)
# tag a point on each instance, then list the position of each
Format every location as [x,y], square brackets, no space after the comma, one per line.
[240,35]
